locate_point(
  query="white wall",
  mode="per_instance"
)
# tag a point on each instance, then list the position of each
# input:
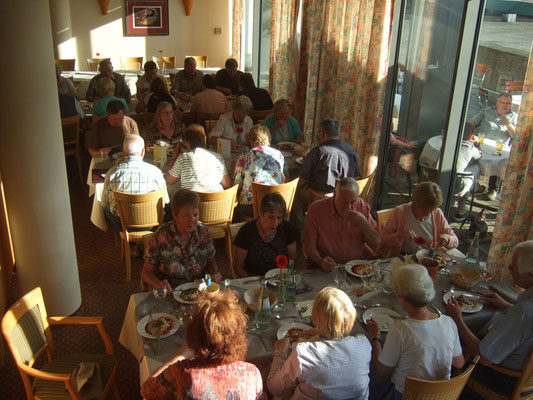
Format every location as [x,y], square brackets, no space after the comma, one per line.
[89,32]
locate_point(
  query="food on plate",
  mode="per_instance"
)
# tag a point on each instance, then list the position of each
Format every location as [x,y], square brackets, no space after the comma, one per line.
[466,303]
[358,292]
[161,324]
[286,146]
[363,269]
[442,248]
[295,334]
[189,294]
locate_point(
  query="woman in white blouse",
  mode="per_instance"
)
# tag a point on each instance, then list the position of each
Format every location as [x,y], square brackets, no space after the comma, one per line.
[332,364]
[234,125]
[424,346]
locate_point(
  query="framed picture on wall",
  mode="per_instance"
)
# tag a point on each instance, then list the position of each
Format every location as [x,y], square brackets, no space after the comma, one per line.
[146,18]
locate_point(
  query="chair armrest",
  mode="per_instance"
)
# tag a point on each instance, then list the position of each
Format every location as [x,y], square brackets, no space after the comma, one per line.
[506,371]
[86,321]
[49,376]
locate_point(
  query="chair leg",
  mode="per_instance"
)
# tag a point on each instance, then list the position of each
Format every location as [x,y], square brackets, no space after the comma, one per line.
[115,391]
[128,261]
[78,160]
[122,247]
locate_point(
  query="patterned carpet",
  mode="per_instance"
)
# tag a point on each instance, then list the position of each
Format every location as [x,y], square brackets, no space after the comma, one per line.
[104,292]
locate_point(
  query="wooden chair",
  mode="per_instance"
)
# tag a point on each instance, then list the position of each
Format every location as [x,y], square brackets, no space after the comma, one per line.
[231,234]
[26,328]
[97,118]
[287,190]
[209,125]
[169,61]
[257,115]
[514,86]
[216,210]
[365,186]
[132,63]
[480,72]
[147,118]
[201,61]
[138,213]
[66,64]
[383,216]
[93,63]
[71,139]
[450,389]
[523,384]
[201,117]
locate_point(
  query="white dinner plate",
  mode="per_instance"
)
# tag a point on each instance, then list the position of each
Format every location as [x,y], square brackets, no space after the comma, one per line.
[180,288]
[286,145]
[283,329]
[477,305]
[141,325]
[383,317]
[272,277]
[425,253]
[117,155]
[350,264]
[299,160]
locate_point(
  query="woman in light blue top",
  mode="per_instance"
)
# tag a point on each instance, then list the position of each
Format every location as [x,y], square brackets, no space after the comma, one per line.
[105,87]
[283,127]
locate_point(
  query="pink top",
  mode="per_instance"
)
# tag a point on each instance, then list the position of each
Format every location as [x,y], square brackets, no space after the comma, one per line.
[187,380]
[331,234]
[391,243]
[209,101]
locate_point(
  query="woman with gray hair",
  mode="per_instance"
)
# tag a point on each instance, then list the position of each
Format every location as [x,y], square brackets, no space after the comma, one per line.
[234,125]
[332,364]
[424,346]
[282,125]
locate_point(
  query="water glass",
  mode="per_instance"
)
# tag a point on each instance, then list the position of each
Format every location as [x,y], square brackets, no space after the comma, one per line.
[339,275]
[262,319]
[481,138]
[290,291]
[499,145]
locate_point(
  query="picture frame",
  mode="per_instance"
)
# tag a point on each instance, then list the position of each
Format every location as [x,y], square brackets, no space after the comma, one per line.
[146,18]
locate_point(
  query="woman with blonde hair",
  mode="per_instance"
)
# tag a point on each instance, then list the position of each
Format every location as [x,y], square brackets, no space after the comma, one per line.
[418,222]
[332,364]
[165,126]
[105,88]
[211,365]
[424,346]
[261,164]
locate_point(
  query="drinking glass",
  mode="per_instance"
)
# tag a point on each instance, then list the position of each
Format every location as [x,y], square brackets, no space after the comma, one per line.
[262,319]
[499,145]
[339,275]
[481,138]
[301,308]
[290,290]
[160,293]
[368,285]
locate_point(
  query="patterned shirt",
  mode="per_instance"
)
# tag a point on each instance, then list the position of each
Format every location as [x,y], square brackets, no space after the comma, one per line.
[133,176]
[183,84]
[262,164]
[187,379]
[168,254]
[153,133]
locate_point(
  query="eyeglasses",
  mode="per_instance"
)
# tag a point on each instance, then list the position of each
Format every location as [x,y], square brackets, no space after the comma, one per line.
[505,104]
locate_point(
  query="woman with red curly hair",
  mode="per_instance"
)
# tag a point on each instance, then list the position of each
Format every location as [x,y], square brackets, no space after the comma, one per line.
[210,365]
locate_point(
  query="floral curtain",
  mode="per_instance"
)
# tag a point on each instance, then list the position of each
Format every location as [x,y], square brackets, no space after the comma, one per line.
[343,70]
[283,50]
[236,33]
[514,222]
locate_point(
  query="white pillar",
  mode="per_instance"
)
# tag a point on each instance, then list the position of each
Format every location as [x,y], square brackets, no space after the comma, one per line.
[32,158]
[64,44]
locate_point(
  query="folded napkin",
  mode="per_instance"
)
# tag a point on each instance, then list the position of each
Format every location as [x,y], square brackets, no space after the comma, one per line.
[309,304]
[506,290]
[87,379]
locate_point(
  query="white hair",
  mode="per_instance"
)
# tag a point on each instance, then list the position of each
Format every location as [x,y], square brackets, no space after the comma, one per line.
[133,145]
[348,184]
[524,260]
[413,282]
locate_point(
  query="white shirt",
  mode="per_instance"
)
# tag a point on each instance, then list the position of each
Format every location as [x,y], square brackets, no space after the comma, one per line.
[200,170]
[327,369]
[420,228]
[421,349]
[227,128]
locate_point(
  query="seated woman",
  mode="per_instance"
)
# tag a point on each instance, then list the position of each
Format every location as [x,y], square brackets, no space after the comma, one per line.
[333,364]
[421,218]
[158,93]
[283,127]
[260,241]
[424,346]
[197,168]
[210,365]
[181,250]
[65,85]
[260,164]
[105,89]
[234,125]
[165,126]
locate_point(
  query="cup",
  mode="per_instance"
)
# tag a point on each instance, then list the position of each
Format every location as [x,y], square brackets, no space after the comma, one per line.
[499,145]
[431,265]
[481,138]
[290,291]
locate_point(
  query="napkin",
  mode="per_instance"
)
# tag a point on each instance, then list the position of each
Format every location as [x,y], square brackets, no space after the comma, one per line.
[506,290]
[309,304]
[87,378]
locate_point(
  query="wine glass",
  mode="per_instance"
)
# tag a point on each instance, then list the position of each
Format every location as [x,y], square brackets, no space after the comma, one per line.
[301,308]
[339,275]
[367,282]
[160,293]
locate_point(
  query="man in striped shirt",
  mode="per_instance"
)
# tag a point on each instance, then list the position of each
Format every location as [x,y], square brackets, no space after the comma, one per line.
[133,176]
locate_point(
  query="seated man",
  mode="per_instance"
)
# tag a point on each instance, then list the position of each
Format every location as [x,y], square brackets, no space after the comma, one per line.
[133,176]
[188,80]
[463,185]
[106,70]
[109,132]
[227,79]
[143,83]
[509,339]
[209,100]
[260,98]
[337,228]
[496,123]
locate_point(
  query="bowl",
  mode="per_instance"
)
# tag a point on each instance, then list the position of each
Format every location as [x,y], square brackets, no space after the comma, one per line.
[210,290]
[431,265]
[464,277]
[251,296]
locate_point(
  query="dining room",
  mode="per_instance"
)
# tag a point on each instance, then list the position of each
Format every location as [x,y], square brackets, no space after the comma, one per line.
[55,233]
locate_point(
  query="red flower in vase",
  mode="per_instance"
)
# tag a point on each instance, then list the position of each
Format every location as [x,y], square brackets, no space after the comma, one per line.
[419,240]
[281,261]
[239,130]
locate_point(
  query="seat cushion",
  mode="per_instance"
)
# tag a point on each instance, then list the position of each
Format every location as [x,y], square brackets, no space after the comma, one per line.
[65,365]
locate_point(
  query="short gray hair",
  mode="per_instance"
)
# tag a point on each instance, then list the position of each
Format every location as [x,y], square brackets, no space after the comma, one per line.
[133,144]
[505,94]
[330,127]
[413,282]
[281,104]
[525,256]
[348,184]
[105,62]
[243,103]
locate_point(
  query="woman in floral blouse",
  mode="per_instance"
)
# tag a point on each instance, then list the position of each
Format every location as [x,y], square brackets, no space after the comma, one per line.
[260,164]
[210,366]
[182,249]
